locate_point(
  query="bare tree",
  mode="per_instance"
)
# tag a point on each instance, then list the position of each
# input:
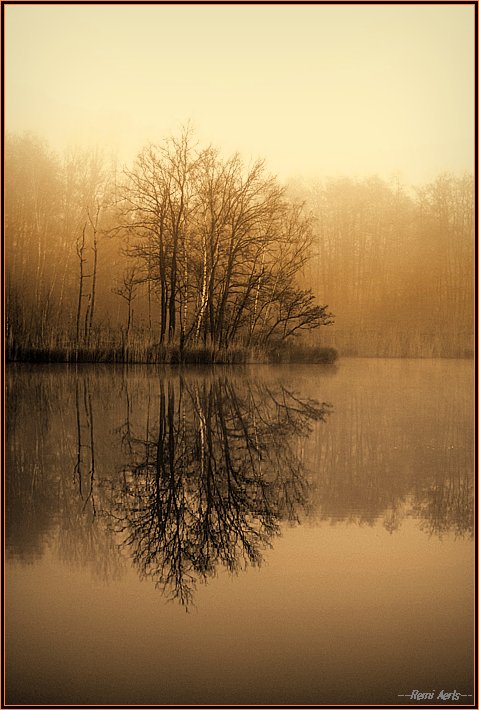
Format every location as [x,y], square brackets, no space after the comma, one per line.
[127,290]
[213,236]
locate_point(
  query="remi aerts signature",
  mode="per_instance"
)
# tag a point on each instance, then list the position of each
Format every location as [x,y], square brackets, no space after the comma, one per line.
[432,695]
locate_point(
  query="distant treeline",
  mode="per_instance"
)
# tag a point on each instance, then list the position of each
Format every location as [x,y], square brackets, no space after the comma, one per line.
[396,264]
[189,252]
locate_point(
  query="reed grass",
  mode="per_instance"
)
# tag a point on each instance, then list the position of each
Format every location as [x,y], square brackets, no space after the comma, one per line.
[109,346]
[302,353]
[105,348]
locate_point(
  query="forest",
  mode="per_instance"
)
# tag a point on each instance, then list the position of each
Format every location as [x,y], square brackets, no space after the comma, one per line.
[190,256]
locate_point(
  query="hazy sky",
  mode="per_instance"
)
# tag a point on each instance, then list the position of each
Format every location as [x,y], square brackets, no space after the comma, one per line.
[313,89]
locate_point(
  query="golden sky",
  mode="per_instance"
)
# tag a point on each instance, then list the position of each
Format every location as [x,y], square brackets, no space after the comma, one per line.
[314,89]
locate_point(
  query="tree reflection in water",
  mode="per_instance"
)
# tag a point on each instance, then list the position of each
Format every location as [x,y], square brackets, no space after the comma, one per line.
[210,484]
[213,463]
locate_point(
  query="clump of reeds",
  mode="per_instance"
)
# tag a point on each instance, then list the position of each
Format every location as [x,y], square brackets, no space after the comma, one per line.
[295,352]
[135,352]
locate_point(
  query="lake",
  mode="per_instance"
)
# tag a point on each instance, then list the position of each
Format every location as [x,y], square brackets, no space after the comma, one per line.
[240,535]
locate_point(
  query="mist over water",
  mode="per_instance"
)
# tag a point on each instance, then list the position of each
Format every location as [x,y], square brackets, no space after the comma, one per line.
[226,532]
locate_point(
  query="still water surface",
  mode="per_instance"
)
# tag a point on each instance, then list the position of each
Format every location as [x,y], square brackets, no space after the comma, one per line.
[259,535]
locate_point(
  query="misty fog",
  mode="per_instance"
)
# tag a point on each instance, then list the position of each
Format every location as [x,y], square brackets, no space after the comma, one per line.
[187,249]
